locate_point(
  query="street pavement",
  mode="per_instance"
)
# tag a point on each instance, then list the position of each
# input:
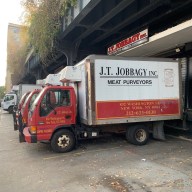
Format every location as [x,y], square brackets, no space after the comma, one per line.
[108,164]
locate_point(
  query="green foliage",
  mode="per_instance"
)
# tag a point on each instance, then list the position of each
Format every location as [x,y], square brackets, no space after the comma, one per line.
[44,18]
[2,91]
[16,54]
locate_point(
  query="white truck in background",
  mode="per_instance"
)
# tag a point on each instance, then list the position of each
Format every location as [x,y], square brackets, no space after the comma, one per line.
[12,98]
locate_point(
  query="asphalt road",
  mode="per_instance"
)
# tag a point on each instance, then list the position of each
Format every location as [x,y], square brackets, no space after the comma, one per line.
[108,164]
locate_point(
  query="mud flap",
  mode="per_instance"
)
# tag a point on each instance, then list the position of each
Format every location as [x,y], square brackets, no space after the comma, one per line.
[15,121]
[189,115]
[21,137]
[158,130]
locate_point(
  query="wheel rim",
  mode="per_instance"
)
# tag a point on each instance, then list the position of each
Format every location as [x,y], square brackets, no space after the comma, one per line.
[63,141]
[140,135]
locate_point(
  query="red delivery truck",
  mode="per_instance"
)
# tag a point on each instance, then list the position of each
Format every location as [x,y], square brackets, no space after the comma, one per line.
[23,113]
[104,94]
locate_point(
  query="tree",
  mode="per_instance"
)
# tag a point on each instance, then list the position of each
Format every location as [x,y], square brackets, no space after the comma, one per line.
[44,18]
[2,91]
[17,49]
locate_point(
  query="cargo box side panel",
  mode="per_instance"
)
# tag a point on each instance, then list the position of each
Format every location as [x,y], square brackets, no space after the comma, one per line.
[24,88]
[131,91]
[82,95]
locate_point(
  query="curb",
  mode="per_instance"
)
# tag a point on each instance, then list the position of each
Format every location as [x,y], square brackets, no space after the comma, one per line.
[180,137]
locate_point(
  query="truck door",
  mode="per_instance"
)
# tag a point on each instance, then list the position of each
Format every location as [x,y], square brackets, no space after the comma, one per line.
[56,110]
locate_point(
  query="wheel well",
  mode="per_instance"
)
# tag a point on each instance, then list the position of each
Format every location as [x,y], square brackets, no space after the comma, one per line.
[147,125]
[137,134]
[63,128]
[10,109]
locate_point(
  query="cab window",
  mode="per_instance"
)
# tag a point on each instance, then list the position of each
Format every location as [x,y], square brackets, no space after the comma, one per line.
[9,98]
[53,99]
[65,98]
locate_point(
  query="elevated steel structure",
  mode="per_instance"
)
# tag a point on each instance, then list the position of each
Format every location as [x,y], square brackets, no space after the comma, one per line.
[94,25]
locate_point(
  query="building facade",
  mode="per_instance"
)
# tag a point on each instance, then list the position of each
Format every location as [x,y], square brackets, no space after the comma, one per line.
[153,28]
[14,42]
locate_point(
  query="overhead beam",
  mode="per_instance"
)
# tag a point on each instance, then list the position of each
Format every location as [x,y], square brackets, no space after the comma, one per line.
[131,19]
[88,8]
[107,17]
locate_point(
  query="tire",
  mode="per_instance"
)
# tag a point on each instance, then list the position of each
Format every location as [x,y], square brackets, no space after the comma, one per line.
[63,141]
[15,126]
[10,109]
[21,138]
[137,134]
[15,121]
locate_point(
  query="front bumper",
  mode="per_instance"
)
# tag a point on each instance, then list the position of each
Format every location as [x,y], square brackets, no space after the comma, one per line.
[29,138]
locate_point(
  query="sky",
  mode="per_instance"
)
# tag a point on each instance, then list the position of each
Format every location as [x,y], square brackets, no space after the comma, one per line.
[10,12]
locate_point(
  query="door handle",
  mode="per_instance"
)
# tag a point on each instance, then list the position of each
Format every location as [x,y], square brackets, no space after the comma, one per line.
[67,116]
[41,123]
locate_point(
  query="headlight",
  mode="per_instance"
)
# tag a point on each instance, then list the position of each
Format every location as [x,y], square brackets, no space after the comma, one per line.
[33,129]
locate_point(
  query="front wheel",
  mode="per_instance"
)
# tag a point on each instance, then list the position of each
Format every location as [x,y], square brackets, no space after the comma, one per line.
[63,141]
[137,135]
[10,109]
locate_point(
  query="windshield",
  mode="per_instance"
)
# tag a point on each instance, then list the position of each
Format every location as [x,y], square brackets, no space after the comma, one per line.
[33,99]
[8,97]
[36,100]
[26,100]
[22,100]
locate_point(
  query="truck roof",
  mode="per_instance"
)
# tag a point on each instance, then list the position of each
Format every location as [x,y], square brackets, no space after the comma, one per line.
[111,57]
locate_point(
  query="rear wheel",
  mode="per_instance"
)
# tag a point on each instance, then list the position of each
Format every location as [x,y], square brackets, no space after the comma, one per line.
[137,134]
[63,141]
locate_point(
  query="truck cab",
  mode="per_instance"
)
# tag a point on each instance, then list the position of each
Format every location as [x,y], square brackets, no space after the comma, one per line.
[8,102]
[17,110]
[23,112]
[53,111]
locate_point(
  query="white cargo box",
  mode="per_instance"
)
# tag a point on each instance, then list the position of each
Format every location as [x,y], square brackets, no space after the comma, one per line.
[40,82]
[70,73]
[122,90]
[24,88]
[15,88]
[53,79]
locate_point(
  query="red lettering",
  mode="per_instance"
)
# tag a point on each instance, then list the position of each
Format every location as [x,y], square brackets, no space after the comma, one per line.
[122,43]
[130,40]
[143,36]
[135,37]
[118,46]
[126,41]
